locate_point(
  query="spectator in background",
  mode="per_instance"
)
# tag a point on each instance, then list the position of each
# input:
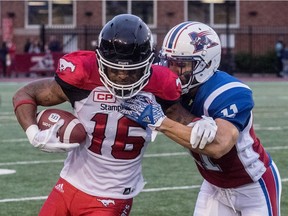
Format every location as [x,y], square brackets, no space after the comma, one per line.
[3,58]
[35,47]
[27,45]
[54,44]
[10,58]
[279,49]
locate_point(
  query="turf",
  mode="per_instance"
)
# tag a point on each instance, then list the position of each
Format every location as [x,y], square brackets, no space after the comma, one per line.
[172,179]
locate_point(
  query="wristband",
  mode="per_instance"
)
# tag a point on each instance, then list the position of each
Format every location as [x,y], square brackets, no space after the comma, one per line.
[196,119]
[19,103]
[31,132]
[191,124]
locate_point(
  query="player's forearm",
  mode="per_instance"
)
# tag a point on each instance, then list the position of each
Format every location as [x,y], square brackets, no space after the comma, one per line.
[45,92]
[226,137]
[181,134]
[25,108]
[179,114]
[176,131]
[26,115]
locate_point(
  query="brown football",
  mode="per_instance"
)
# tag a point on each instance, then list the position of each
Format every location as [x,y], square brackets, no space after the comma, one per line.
[71,132]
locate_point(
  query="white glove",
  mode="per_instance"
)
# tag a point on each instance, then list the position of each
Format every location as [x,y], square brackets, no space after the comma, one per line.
[47,140]
[203,132]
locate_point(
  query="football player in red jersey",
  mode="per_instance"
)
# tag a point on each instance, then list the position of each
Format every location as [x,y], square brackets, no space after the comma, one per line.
[240,177]
[101,176]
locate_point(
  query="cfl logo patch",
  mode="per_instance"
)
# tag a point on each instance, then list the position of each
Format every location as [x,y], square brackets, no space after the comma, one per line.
[54,117]
[106,97]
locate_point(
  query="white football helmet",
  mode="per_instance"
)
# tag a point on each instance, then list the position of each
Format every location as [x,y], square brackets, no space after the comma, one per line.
[196,42]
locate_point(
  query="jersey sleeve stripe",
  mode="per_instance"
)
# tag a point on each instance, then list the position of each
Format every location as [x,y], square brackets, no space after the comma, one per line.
[219,91]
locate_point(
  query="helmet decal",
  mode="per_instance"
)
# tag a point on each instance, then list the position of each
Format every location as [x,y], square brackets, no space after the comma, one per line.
[201,41]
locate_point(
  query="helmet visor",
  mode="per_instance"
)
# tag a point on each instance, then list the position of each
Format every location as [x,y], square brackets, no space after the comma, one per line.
[136,76]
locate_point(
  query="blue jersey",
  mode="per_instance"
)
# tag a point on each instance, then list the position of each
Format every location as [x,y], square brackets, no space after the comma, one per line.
[223,96]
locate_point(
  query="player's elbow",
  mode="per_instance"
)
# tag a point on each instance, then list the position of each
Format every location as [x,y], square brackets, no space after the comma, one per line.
[218,153]
[226,138]
[15,98]
[219,149]
[22,97]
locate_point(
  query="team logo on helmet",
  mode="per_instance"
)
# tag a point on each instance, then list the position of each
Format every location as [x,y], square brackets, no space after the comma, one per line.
[201,41]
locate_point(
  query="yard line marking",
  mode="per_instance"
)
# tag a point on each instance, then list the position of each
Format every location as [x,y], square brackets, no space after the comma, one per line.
[259,128]
[144,190]
[170,188]
[256,127]
[31,162]
[14,140]
[7,113]
[276,147]
[8,118]
[7,171]
[148,190]
[61,161]
[165,154]
[23,199]
[145,156]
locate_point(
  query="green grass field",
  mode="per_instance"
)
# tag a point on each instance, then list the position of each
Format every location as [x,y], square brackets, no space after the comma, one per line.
[172,179]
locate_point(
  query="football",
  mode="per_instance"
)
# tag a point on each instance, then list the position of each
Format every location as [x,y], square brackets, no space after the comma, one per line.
[71,132]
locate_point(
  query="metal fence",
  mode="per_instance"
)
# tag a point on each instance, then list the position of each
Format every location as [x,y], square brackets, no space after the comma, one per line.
[250,40]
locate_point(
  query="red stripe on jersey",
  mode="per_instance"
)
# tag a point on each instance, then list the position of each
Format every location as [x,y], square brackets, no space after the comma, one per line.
[271,190]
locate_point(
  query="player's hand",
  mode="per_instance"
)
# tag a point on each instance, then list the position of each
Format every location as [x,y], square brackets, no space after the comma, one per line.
[203,132]
[145,111]
[47,140]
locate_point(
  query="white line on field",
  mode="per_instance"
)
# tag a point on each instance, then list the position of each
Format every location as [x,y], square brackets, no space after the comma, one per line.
[145,156]
[23,199]
[170,188]
[144,190]
[276,147]
[165,154]
[8,118]
[148,190]
[61,161]
[31,162]
[7,114]
[257,127]
[14,140]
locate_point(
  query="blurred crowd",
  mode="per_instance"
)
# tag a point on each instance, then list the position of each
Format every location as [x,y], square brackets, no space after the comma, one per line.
[32,45]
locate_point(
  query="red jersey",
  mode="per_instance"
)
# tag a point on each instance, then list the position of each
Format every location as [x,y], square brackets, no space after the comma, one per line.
[109,163]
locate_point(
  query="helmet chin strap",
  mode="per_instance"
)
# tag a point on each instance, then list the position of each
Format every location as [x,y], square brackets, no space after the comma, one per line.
[190,85]
[192,82]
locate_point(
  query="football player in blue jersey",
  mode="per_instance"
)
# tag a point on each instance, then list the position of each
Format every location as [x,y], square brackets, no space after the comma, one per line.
[240,177]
